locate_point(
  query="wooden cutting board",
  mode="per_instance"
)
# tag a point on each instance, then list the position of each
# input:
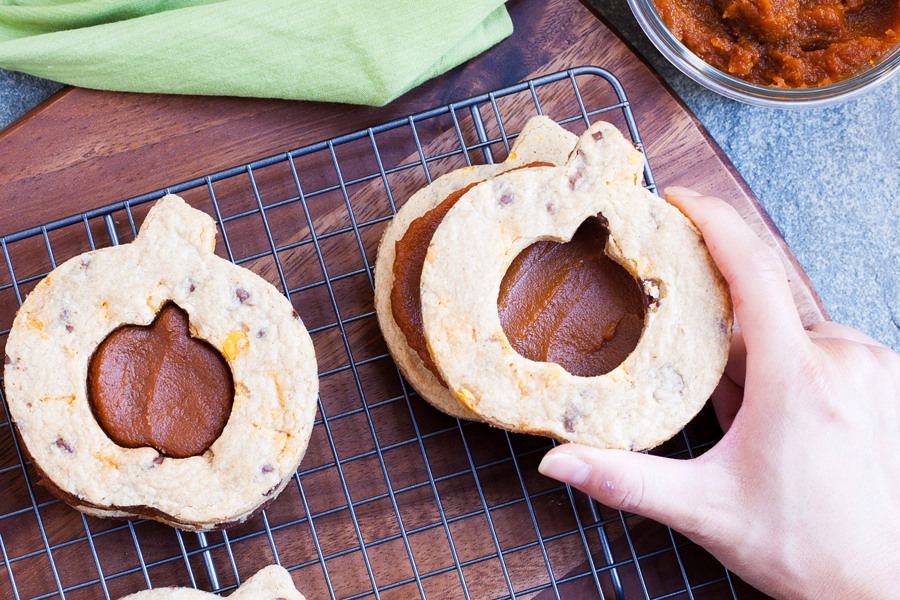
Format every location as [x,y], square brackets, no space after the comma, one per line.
[83,149]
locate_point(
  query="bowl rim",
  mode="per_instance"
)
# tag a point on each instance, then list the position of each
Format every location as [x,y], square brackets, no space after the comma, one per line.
[862,82]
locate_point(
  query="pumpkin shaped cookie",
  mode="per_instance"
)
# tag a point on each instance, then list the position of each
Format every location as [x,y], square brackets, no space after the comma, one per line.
[402,252]
[681,350]
[270,583]
[239,319]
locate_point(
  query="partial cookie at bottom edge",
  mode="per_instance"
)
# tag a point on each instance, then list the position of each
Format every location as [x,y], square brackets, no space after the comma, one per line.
[271,583]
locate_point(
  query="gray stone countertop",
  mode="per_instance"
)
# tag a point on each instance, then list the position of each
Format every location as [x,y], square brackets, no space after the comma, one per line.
[828,177]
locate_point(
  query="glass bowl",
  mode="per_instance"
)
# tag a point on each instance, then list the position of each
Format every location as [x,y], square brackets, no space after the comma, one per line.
[722,83]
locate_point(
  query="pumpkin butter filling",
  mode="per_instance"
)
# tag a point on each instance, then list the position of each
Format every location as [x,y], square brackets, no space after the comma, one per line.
[785,43]
[157,386]
[565,303]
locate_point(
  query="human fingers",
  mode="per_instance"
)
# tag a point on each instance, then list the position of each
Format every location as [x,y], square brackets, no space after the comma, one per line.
[836,330]
[662,489]
[728,396]
[736,367]
[762,299]
[830,334]
[726,400]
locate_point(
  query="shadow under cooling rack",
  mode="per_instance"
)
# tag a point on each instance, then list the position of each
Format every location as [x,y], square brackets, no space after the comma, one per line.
[393,499]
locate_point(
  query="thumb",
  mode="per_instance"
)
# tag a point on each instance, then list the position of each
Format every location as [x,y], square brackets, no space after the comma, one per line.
[662,489]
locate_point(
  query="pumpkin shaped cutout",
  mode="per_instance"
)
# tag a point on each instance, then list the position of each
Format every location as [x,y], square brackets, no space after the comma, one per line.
[244,318]
[681,351]
[541,141]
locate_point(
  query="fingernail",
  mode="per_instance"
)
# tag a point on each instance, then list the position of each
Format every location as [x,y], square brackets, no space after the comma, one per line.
[680,191]
[565,467]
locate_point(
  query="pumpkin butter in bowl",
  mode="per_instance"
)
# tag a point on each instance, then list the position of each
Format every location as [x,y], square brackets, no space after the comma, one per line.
[778,53]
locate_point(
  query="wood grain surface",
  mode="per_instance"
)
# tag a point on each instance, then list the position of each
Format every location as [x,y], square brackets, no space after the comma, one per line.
[83,149]
[440,508]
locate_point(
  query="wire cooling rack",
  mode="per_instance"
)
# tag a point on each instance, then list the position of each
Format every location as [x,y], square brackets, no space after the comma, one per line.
[393,499]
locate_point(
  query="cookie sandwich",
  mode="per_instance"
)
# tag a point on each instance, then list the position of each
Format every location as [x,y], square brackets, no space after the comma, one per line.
[157,380]
[404,244]
[679,298]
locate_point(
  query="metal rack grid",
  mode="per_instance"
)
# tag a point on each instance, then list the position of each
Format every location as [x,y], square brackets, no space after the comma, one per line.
[393,499]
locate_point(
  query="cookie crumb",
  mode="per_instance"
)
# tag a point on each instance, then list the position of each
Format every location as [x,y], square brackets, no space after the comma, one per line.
[669,382]
[651,293]
[570,418]
[574,179]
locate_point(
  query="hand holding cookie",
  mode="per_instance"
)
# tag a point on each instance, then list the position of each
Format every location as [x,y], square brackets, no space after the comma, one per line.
[800,496]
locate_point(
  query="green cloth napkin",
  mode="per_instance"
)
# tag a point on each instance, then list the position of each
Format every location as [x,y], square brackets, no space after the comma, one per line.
[330,50]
